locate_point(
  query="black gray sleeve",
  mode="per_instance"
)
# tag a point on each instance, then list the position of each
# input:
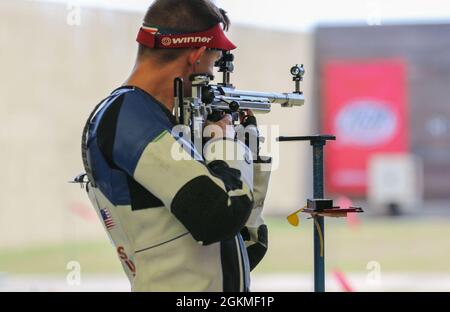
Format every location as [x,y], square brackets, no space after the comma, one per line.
[212,199]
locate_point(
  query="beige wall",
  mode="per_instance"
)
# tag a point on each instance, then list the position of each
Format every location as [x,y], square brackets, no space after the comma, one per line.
[51,76]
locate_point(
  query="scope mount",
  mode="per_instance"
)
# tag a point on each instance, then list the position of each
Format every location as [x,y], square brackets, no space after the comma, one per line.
[226,66]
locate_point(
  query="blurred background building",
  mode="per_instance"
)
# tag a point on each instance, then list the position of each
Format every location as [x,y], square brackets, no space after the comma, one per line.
[377,76]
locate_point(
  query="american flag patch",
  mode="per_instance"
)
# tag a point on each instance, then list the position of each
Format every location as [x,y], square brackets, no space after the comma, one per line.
[109,222]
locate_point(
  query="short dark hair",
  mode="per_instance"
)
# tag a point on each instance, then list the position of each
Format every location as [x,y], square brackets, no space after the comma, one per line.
[181,16]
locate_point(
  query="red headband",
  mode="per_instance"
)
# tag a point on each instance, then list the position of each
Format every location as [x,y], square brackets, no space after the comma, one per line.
[213,38]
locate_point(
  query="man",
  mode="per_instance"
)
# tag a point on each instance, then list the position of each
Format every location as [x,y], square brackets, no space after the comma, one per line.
[178,225]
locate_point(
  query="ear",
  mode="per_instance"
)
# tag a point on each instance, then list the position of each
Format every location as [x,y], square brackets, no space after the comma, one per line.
[195,55]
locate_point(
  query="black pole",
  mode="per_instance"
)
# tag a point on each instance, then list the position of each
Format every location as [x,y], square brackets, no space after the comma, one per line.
[319,237]
[179,95]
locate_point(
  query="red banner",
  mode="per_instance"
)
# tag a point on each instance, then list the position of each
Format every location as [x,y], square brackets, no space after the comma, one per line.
[364,105]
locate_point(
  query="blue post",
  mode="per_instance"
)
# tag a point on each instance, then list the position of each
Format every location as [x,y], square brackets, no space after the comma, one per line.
[317,142]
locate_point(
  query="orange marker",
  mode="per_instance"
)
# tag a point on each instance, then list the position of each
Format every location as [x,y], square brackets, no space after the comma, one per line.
[342,280]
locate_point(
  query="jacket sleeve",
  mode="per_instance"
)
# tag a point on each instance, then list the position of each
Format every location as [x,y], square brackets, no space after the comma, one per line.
[213,199]
[255,232]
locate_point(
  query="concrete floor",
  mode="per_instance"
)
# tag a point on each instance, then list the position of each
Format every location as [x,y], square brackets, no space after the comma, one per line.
[268,282]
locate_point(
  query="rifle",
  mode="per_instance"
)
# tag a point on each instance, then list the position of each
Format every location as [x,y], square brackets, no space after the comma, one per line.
[211,102]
